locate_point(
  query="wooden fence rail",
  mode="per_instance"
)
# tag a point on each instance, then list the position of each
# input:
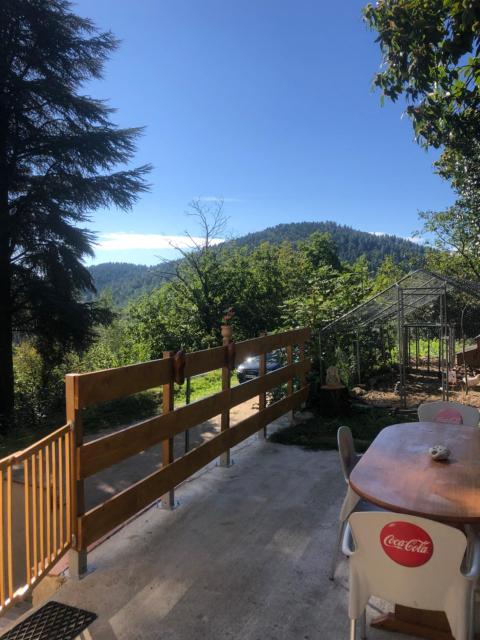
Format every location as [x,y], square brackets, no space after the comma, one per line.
[35,513]
[42,496]
[84,390]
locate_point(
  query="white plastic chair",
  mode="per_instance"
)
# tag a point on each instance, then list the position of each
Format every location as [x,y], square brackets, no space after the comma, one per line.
[441,584]
[428,410]
[348,459]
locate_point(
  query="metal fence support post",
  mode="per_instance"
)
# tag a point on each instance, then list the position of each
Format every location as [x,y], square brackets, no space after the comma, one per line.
[77,560]
[168,500]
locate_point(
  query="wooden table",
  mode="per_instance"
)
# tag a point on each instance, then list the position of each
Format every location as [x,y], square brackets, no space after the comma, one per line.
[397,474]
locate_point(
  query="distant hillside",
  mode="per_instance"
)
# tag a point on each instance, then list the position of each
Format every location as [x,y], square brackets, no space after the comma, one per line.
[124,280]
[350,242]
[127,281]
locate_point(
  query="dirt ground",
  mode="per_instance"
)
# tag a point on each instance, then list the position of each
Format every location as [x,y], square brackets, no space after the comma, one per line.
[422,386]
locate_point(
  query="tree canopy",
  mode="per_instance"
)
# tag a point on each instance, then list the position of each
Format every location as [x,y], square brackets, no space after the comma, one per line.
[58,152]
[431,57]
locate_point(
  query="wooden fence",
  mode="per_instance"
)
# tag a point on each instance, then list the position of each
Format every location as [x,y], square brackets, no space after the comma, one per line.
[35,513]
[84,390]
[42,493]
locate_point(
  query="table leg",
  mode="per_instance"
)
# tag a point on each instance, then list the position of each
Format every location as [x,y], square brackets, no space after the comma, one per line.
[432,625]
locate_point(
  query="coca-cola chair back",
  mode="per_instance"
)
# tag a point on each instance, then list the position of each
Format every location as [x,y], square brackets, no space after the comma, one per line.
[429,411]
[406,560]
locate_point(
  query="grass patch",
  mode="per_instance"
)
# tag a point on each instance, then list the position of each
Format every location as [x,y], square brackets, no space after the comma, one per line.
[202,386]
[321,433]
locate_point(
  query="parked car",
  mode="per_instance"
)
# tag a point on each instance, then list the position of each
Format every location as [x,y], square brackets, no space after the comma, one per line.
[249,368]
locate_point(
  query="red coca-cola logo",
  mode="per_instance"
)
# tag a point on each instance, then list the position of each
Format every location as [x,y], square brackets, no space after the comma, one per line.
[406,544]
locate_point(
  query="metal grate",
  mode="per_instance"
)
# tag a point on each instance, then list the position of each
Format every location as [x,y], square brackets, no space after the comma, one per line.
[53,621]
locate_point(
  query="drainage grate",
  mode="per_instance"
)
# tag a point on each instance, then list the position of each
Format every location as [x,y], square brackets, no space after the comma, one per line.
[53,621]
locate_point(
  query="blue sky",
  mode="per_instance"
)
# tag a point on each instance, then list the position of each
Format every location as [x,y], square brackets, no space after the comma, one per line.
[266,103]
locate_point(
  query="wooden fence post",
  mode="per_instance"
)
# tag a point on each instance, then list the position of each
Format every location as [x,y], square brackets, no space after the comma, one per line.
[262,370]
[78,553]
[188,393]
[168,500]
[225,457]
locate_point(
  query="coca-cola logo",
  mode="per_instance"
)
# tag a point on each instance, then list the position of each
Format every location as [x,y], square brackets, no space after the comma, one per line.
[406,544]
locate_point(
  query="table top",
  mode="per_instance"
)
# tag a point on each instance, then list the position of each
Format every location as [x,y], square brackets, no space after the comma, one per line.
[397,472]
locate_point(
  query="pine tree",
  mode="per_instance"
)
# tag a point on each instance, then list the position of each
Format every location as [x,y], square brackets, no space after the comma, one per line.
[58,154]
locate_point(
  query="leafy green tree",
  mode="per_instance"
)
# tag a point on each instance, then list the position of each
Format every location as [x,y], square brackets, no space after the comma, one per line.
[58,149]
[456,231]
[319,250]
[388,273]
[431,57]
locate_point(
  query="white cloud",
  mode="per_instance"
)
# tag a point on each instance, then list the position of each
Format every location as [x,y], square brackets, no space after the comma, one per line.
[379,233]
[121,240]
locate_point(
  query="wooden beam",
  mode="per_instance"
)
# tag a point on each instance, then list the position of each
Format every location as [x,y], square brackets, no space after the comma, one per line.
[204,361]
[266,344]
[225,460]
[246,390]
[103,518]
[262,372]
[110,384]
[168,500]
[115,447]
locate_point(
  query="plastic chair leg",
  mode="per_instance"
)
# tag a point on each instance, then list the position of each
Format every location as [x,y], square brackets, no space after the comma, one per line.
[338,542]
[363,633]
[471,621]
[352,629]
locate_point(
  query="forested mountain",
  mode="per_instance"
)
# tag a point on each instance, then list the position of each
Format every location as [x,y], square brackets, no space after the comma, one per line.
[124,280]
[350,242]
[127,281]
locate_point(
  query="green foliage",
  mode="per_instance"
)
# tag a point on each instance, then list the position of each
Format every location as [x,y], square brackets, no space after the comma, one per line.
[456,233]
[127,282]
[350,243]
[387,274]
[431,56]
[58,155]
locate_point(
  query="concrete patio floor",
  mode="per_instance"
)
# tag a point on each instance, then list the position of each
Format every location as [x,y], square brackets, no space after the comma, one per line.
[245,555]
